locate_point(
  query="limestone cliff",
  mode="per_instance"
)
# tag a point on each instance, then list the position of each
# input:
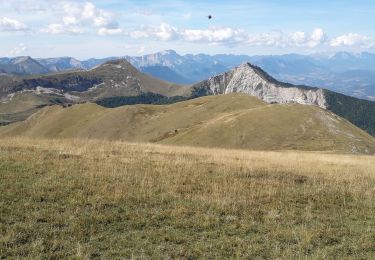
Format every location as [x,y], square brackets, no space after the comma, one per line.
[252,80]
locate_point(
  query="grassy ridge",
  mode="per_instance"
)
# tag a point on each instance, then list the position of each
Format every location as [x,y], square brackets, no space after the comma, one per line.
[87,199]
[225,121]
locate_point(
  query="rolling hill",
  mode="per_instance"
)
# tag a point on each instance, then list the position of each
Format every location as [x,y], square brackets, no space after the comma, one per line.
[226,121]
[112,79]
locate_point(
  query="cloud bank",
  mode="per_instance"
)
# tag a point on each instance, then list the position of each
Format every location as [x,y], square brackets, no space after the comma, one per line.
[12,25]
[84,17]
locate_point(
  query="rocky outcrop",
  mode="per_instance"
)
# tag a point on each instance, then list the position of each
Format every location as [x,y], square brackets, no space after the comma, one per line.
[254,81]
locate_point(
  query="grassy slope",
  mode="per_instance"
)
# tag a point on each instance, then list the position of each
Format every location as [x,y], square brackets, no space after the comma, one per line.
[23,105]
[227,121]
[358,111]
[87,199]
[109,73]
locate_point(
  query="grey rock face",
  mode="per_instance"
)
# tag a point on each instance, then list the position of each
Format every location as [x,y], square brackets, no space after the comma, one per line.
[251,80]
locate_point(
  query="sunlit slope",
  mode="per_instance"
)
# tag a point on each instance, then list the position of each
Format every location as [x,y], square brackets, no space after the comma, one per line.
[74,199]
[227,121]
[21,105]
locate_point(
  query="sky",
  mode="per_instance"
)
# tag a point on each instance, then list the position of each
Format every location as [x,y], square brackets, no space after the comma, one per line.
[93,28]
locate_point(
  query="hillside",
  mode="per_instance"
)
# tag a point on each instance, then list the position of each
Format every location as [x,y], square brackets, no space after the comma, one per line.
[360,112]
[118,75]
[112,79]
[252,80]
[226,121]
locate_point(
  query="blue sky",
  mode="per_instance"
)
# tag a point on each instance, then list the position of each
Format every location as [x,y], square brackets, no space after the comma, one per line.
[83,29]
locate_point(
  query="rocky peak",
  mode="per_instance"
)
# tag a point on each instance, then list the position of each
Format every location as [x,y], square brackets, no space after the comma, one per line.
[23,59]
[252,80]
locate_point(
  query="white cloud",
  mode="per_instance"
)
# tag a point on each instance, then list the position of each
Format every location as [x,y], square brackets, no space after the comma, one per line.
[271,39]
[298,38]
[232,36]
[351,39]
[8,24]
[19,49]
[167,32]
[281,40]
[301,39]
[137,34]
[70,20]
[104,31]
[164,32]
[317,37]
[214,35]
[77,17]
[56,28]
[99,18]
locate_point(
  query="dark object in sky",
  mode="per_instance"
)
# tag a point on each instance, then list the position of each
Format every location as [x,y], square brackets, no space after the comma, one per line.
[210,17]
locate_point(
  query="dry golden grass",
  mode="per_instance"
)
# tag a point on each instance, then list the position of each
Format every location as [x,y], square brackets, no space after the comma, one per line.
[88,198]
[238,121]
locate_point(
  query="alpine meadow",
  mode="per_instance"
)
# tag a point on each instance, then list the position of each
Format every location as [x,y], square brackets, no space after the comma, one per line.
[186,130]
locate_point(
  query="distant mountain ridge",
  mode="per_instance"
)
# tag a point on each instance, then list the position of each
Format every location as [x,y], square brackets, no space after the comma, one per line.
[165,73]
[22,66]
[61,64]
[343,72]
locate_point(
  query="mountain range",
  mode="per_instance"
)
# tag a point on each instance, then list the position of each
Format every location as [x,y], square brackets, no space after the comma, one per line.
[343,72]
[117,83]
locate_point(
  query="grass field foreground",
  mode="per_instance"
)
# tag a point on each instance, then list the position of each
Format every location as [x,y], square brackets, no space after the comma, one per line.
[90,199]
